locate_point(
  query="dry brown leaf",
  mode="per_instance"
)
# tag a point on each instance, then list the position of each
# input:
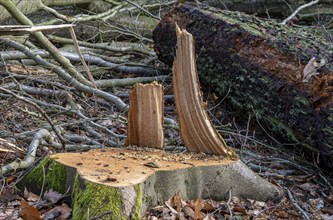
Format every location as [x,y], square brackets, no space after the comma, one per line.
[282,214]
[330,197]
[28,212]
[240,210]
[7,195]
[10,179]
[177,202]
[235,200]
[327,211]
[63,212]
[52,196]
[29,196]
[308,186]
[198,205]
[210,205]
[189,212]
[209,217]
[259,204]
[299,178]
[122,130]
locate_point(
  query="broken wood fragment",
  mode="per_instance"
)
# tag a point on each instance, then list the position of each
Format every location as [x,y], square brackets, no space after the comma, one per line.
[196,129]
[145,116]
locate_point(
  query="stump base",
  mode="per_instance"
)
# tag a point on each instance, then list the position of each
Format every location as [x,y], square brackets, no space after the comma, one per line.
[129,181]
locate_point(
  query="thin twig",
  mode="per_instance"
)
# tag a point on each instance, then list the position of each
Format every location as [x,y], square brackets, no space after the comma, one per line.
[28,170]
[144,10]
[297,10]
[290,196]
[77,48]
[41,111]
[101,215]
[228,205]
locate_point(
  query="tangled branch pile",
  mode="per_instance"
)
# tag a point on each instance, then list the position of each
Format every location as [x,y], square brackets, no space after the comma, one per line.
[71,81]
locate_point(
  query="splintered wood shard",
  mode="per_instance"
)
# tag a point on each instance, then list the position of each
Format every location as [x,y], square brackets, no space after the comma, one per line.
[197,131]
[145,116]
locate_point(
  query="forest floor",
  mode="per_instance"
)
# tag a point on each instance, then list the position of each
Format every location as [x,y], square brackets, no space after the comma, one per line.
[308,193]
[89,121]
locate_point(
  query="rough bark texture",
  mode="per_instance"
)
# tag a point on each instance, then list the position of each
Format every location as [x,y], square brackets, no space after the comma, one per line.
[145,116]
[127,182]
[196,129]
[261,63]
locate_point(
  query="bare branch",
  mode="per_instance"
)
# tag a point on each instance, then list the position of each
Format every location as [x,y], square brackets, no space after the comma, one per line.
[42,134]
[298,10]
[64,75]
[77,48]
[40,110]
[144,10]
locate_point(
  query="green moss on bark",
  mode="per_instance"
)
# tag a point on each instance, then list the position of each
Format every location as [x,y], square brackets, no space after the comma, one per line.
[138,203]
[92,199]
[49,174]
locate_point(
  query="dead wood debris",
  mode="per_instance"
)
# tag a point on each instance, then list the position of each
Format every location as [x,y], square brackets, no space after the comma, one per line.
[90,121]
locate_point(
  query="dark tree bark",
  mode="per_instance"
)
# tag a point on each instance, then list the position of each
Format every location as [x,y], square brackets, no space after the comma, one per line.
[261,63]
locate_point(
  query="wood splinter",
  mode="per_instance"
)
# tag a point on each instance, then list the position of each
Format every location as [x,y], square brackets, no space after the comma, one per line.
[145,116]
[197,131]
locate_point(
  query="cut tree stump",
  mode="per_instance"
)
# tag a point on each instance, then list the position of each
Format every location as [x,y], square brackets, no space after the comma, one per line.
[257,65]
[129,181]
[145,116]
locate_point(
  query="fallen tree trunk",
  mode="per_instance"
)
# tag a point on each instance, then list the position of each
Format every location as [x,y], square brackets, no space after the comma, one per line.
[262,64]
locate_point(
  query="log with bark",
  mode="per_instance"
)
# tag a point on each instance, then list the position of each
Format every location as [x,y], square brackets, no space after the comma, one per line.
[258,65]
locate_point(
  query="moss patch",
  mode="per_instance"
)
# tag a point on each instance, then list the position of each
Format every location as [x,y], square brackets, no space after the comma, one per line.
[138,203]
[49,174]
[92,199]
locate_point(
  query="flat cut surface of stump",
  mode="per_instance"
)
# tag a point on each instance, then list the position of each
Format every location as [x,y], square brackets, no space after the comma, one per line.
[125,167]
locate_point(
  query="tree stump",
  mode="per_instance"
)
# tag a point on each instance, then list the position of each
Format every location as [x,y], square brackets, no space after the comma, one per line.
[129,181]
[258,66]
[126,182]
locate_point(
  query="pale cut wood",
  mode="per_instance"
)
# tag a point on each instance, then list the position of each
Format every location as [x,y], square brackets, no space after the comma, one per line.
[145,116]
[196,129]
